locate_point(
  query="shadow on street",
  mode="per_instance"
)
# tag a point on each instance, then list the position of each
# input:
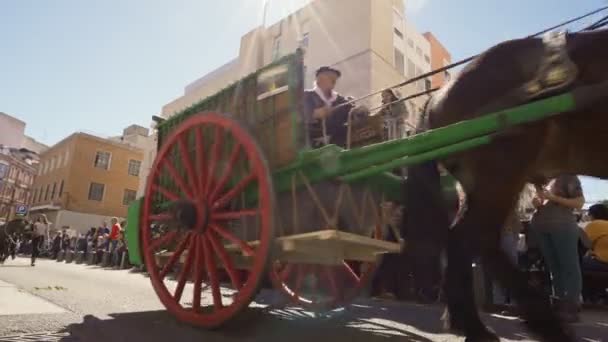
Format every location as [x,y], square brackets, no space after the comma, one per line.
[380,322]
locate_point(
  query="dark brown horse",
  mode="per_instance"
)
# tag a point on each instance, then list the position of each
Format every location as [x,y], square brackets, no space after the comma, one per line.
[509,74]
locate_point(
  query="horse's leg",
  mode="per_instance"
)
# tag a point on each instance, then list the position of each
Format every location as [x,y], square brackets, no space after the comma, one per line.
[489,207]
[462,314]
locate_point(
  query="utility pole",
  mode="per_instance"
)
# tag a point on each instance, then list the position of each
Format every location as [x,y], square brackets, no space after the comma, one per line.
[261,35]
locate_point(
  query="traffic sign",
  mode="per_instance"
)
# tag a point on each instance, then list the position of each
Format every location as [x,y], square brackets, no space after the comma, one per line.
[21,210]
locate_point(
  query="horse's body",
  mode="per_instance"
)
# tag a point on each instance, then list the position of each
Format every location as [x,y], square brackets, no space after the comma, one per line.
[493,175]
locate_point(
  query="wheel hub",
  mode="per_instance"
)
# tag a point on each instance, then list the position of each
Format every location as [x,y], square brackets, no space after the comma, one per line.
[192,216]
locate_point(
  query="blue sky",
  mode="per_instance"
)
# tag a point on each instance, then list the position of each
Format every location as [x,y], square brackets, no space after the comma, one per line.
[99,66]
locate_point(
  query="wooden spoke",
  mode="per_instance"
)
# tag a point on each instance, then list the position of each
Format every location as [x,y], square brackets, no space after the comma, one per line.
[177,178]
[228,196]
[301,272]
[227,172]
[213,276]
[174,257]
[185,157]
[286,272]
[198,274]
[185,271]
[215,155]
[247,250]
[168,194]
[200,159]
[226,260]
[331,278]
[350,272]
[163,240]
[233,215]
[161,217]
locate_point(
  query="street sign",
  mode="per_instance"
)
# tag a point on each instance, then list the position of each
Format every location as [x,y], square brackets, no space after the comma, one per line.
[21,210]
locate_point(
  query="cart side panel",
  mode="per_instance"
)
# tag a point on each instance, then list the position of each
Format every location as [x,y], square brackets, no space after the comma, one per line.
[268,102]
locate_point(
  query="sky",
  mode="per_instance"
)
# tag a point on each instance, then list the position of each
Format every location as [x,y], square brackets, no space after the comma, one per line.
[101,65]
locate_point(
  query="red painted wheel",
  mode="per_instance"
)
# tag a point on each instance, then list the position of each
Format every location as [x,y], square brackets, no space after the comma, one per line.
[323,287]
[208,182]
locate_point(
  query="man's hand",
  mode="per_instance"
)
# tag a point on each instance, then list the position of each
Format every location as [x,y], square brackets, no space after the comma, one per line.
[548,195]
[537,202]
[321,113]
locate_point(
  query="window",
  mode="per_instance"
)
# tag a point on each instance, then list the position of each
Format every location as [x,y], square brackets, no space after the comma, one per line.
[3,170]
[419,83]
[53,191]
[96,192]
[410,42]
[39,195]
[427,84]
[59,161]
[418,51]
[134,167]
[411,69]
[35,196]
[65,159]
[276,48]
[399,61]
[52,164]
[61,189]
[46,193]
[128,196]
[426,58]
[102,160]
[398,33]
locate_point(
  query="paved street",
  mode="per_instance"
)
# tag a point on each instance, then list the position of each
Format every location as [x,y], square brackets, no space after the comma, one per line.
[71,302]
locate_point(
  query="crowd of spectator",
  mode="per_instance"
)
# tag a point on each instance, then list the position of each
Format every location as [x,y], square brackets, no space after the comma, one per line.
[561,249]
[92,245]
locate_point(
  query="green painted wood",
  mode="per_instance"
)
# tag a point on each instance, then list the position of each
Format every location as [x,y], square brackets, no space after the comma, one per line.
[418,158]
[132,232]
[331,161]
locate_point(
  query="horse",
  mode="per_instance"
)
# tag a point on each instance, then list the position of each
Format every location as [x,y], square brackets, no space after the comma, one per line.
[512,73]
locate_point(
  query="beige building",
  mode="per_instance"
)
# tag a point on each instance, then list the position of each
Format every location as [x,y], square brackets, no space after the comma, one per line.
[374,47]
[12,134]
[84,179]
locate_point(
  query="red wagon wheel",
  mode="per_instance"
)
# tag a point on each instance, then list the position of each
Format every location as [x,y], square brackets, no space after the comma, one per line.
[323,287]
[190,220]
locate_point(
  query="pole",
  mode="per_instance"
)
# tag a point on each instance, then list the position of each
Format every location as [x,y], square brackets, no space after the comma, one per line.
[261,36]
[11,202]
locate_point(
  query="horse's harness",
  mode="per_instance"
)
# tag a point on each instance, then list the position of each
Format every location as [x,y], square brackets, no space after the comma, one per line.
[555,73]
[556,70]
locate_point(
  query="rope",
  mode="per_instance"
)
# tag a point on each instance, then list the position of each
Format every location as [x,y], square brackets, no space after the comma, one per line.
[466,60]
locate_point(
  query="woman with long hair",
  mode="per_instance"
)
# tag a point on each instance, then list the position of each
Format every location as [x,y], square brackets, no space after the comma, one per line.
[394,114]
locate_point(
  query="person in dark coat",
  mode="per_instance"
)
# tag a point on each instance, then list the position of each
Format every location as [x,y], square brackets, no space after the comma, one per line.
[324,103]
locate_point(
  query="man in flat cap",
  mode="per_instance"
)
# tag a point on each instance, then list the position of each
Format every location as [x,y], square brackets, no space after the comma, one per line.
[324,103]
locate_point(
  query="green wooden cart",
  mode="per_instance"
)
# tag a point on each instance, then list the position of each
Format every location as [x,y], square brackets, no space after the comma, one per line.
[235,194]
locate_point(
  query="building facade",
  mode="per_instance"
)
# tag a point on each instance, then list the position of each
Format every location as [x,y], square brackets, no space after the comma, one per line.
[374,46]
[440,57]
[84,180]
[12,134]
[17,172]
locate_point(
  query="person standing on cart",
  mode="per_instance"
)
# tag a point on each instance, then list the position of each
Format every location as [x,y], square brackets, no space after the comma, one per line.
[323,103]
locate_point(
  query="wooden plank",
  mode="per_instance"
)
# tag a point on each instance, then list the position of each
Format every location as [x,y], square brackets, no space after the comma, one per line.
[327,247]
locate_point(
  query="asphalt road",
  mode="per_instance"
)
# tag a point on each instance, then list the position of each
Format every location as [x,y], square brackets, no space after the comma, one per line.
[68,302]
